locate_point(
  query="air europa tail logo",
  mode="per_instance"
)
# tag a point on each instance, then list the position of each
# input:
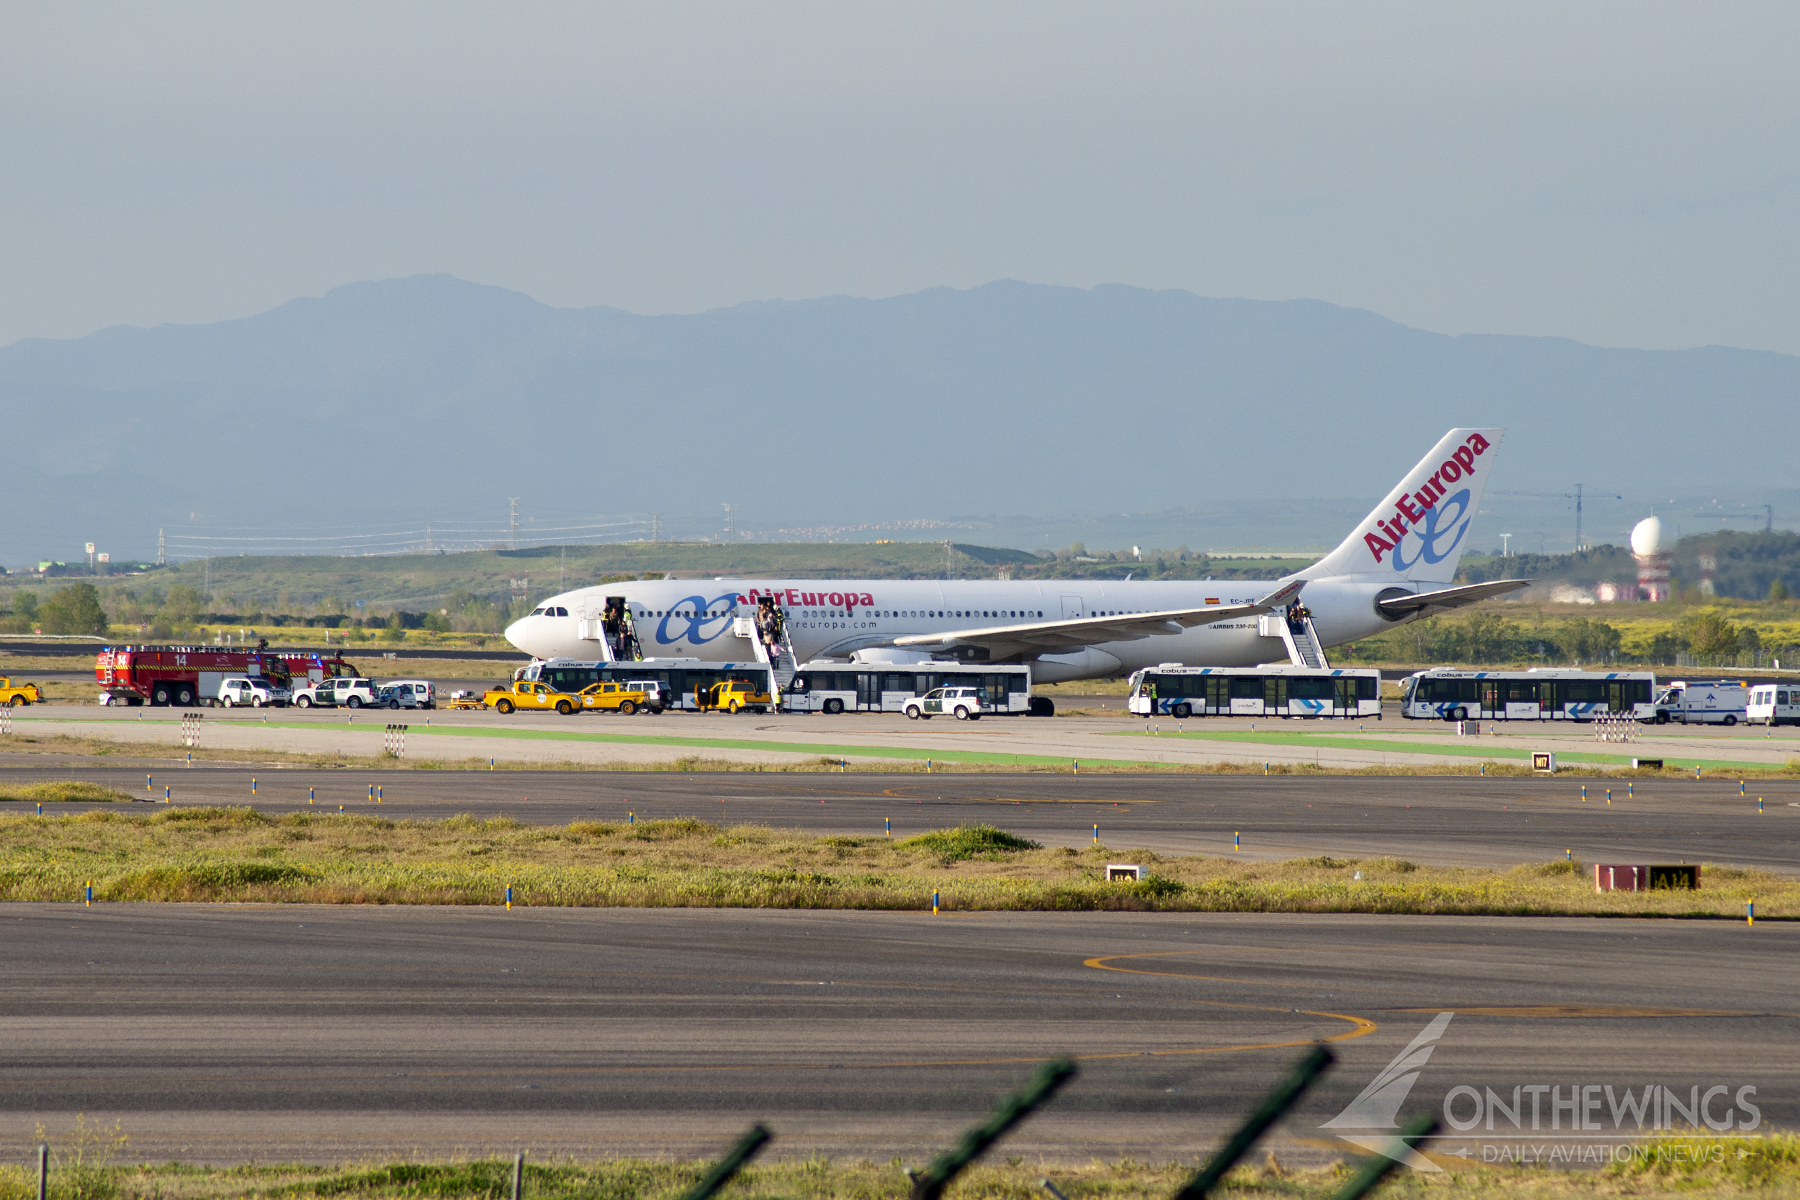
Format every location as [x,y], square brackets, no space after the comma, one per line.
[1433,512]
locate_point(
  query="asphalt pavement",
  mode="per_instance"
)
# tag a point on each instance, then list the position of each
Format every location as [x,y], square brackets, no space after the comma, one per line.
[1449,820]
[227,1033]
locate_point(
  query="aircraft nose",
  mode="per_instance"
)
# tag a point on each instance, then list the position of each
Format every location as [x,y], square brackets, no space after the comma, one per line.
[515,633]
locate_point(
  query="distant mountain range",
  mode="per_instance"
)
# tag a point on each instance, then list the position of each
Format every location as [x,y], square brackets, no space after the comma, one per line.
[1007,414]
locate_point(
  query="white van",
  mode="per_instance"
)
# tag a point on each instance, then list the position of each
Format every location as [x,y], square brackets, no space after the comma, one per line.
[1710,702]
[407,693]
[1774,704]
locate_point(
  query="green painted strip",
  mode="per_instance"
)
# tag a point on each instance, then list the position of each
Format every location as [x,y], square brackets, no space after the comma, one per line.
[689,743]
[1491,753]
[1298,740]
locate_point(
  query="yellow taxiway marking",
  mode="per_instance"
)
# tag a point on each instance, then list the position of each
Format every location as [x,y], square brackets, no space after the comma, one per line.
[1359,1026]
[1582,1010]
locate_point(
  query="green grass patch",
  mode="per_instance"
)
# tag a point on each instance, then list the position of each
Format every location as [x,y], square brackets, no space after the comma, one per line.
[61,791]
[241,855]
[967,841]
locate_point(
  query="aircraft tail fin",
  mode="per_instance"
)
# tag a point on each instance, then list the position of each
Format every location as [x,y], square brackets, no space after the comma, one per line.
[1420,531]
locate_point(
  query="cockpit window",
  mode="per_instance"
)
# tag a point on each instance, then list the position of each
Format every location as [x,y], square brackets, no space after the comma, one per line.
[537,612]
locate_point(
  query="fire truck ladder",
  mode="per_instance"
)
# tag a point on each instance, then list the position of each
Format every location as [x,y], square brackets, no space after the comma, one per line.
[1303,645]
[783,665]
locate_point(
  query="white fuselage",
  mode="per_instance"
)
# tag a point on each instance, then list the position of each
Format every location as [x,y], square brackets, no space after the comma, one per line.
[834,619]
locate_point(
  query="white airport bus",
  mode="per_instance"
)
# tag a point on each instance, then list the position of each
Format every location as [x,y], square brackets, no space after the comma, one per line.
[1277,691]
[831,687]
[1774,704]
[1535,695]
[680,677]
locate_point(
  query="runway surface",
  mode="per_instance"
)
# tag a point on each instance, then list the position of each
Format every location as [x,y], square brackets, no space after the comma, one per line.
[1439,820]
[218,1033]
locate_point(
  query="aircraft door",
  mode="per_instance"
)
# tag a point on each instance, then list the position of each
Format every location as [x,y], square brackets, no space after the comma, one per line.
[1071,606]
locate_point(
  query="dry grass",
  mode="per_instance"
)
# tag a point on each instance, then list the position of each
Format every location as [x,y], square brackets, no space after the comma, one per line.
[1772,1172]
[235,854]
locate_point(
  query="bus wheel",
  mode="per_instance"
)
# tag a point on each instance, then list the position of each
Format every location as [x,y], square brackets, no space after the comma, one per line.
[1181,712]
[626,708]
[1462,714]
[503,706]
[833,707]
[564,707]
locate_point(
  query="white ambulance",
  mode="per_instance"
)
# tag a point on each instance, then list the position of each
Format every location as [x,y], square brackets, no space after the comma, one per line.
[1703,702]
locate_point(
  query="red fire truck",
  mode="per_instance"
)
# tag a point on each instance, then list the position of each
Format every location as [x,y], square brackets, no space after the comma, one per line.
[188,675]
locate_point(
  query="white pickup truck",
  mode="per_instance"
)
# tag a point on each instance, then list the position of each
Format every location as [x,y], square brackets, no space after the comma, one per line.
[332,693]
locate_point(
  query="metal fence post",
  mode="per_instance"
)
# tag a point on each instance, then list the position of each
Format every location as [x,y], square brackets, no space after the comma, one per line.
[731,1164]
[1378,1166]
[1286,1094]
[518,1176]
[930,1184]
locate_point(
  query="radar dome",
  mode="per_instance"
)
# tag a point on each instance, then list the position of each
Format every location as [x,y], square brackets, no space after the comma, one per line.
[1647,537]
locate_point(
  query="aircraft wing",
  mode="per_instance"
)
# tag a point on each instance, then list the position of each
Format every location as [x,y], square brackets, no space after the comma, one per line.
[1060,637]
[1405,604]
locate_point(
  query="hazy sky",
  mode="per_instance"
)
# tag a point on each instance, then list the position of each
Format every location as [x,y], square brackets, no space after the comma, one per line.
[1623,174]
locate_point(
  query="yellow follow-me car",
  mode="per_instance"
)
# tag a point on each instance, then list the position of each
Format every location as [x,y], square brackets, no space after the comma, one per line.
[612,697]
[20,694]
[537,697]
[735,695]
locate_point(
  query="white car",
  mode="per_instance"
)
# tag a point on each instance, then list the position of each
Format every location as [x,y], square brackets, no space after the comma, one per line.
[407,693]
[254,692]
[330,693]
[962,702]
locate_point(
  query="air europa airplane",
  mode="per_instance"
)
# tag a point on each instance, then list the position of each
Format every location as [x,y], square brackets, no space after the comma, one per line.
[1395,567]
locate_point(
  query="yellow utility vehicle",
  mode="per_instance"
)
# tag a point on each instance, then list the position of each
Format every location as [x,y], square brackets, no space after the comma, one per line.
[534,697]
[612,697]
[19,693]
[734,696]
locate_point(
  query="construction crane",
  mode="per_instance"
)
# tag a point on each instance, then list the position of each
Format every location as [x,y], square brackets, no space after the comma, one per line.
[1768,517]
[1576,497]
